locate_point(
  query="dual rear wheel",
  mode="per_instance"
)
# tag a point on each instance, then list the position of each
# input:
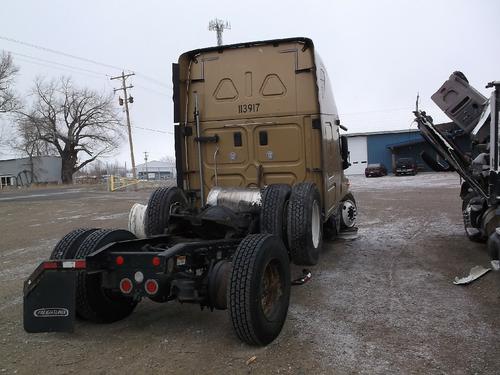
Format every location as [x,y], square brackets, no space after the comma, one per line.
[294,215]
[93,302]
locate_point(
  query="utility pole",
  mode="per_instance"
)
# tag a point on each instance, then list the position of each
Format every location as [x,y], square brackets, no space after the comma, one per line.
[219,26]
[127,100]
[146,163]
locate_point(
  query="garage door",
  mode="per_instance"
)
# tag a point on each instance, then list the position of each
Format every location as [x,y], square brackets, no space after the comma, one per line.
[358,155]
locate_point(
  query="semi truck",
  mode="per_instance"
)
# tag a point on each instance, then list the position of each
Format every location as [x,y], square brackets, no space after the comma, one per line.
[477,118]
[260,183]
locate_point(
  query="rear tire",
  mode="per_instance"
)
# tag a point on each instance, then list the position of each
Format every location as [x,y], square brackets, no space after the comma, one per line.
[273,212]
[157,217]
[494,246]
[67,247]
[471,215]
[93,302]
[304,224]
[259,289]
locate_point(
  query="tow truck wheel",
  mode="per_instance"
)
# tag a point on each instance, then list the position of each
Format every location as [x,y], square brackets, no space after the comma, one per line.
[304,224]
[348,212]
[93,302]
[157,217]
[68,245]
[259,288]
[494,245]
[472,212]
[274,207]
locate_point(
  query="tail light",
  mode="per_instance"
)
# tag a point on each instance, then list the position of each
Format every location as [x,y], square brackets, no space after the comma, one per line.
[156,261]
[119,260]
[151,287]
[126,286]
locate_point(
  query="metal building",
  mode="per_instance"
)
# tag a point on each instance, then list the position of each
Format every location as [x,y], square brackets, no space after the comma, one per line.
[387,146]
[24,172]
[156,170]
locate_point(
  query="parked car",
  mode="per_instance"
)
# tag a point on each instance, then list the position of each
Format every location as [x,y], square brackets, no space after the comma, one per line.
[406,166]
[376,170]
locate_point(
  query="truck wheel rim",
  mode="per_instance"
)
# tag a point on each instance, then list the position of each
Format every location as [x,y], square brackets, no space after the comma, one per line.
[315,224]
[349,214]
[272,289]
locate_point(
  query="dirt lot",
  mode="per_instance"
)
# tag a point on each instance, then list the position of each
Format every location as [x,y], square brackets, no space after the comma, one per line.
[384,303]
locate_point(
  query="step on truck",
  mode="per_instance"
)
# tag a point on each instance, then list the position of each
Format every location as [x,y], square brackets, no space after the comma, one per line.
[260,184]
[472,149]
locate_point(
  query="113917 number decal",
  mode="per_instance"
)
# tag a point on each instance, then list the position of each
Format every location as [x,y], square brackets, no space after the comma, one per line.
[248,108]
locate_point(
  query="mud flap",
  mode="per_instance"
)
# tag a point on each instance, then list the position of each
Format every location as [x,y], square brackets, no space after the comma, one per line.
[49,301]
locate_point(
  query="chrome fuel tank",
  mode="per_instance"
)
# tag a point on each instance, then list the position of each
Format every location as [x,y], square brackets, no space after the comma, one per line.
[237,199]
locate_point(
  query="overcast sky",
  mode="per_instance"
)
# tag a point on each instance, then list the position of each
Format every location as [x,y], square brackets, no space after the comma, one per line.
[378,53]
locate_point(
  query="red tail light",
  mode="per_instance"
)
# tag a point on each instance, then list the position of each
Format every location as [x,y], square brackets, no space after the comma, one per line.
[119,260]
[50,265]
[151,287]
[156,261]
[126,286]
[80,264]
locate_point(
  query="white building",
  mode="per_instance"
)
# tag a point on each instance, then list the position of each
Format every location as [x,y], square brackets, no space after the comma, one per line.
[23,172]
[156,170]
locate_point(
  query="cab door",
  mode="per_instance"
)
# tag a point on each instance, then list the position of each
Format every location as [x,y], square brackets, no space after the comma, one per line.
[332,168]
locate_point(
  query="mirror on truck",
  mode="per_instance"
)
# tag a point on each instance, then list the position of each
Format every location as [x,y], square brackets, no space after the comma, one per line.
[345,152]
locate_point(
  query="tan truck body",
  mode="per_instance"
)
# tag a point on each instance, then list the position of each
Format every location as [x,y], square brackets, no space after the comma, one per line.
[270,114]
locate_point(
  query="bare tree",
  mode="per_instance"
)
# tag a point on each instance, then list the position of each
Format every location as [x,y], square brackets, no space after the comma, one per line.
[8,100]
[78,124]
[27,142]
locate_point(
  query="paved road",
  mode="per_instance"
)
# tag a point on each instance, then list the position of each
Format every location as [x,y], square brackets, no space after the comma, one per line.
[44,194]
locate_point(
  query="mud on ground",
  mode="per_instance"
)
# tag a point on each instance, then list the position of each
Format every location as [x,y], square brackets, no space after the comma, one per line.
[384,303]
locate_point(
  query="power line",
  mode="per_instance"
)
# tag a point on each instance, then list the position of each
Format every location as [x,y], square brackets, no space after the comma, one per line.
[32,45]
[75,69]
[58,52]
[153,80]
[153,91]
[57,63]
[149,129]
[57,67]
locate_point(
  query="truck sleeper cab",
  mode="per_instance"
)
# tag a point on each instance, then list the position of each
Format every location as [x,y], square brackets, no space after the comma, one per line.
[267,115]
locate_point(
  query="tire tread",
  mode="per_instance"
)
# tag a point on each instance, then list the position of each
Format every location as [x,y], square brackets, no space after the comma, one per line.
[83,305]
[296,226]
[274,200]
[69,241]
[243,267]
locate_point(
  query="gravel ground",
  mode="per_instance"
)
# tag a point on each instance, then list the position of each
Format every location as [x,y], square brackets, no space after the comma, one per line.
[384,303]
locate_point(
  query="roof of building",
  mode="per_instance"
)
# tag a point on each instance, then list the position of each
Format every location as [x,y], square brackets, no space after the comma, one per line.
[405,143]
[383,132]
[155,166]
[445,126]
[34,157]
